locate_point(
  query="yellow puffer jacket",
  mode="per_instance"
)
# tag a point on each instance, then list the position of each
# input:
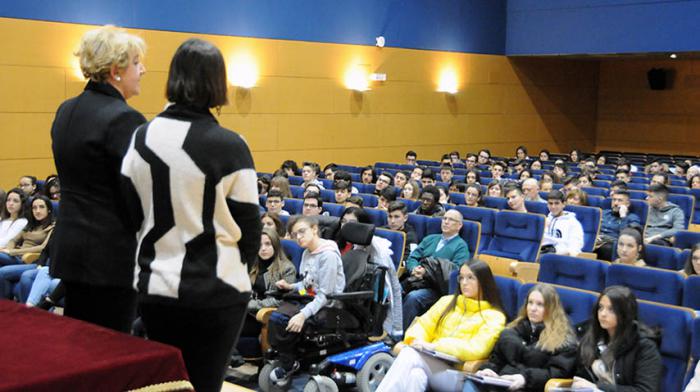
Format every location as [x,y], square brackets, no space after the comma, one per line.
[469,332]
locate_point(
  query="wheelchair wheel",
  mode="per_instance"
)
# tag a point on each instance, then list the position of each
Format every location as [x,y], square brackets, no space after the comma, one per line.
[264,381]
[320,384]
[373,372]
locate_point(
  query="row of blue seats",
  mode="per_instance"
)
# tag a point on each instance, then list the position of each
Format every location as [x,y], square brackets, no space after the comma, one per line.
[678,326]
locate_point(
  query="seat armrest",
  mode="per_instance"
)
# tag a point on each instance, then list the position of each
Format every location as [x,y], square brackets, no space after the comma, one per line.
[473,366]
[29,258]
[264,314]
[558,383]
[353,295]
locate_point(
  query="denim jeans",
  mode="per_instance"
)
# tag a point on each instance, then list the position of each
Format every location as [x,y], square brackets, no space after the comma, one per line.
[416,303]
[9,275]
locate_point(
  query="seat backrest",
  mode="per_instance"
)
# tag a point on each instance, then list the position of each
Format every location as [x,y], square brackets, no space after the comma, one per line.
[686,239]
[648,283]
[578,304]
[691,292]
[334,209]
[418,222]
[369,200]
[293,206]
[470,232]
[686,203]
[509,289]
[377,216]
[457,198]
[295,180]
[638,186]
[517,236]
[398,242]
[585,274]
[675,324]
[411,205]
[486,218]
[680,189]
[596,191]
[293,252]
[694,351]
[297,191]
[536,207]
[590,218]
[696,213]
[499,203]
[601,184]
[637,195]
[327,195]
[639,207]
[661,257]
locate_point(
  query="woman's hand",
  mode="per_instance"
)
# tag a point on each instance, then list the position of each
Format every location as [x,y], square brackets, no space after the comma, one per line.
[582,383]
[423,344]
[486,373]
[296,323]
[517,379]
[283,285]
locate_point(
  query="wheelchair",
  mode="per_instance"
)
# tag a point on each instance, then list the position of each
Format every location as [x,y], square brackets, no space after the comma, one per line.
[339,353]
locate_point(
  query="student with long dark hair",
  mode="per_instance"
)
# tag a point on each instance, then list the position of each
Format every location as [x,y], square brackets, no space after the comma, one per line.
[12,215]
[617,352]
[465,325]
[692,264]
[630,247]
[194,201]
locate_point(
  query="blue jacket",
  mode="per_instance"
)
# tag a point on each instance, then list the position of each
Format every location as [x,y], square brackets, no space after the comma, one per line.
[455,250]
[611,225]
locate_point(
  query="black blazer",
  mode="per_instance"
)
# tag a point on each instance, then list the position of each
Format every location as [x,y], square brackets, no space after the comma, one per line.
[94,241]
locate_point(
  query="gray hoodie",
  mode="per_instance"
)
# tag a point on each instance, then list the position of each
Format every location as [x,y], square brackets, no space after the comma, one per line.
[665,221]
[322,272]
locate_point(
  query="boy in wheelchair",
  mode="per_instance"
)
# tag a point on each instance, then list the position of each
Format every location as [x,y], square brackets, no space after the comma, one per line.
[320,314]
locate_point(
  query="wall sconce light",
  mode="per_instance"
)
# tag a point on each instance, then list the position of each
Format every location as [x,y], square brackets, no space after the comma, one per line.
[356,78]
[243,71]
[448,82]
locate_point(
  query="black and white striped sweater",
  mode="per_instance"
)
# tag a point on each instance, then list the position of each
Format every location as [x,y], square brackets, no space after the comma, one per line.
[194,201]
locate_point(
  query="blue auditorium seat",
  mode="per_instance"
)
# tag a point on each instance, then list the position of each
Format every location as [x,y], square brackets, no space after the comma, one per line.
[377,216]
[293,252]
[696,213]
[295,180]
[580,273]
[328,184]
[637,186]
[661,257]
[578,304]
[686,239]
[694,351]
[293,206]
[678,190]
[601,184]
[297,191]
[328,196]
[418,222]
[596,191]
[334,209]
[509,289]
[457,198]
[398,241]
[649,283]
[486,217]
[691,292]
[411,205]
[686,203]
[516,236]
[536,207]
[470,232]
[590,219]
[369,200]
[499,203]
[676,326]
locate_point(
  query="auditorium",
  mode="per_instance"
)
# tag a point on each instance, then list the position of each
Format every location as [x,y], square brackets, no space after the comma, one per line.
[366,195]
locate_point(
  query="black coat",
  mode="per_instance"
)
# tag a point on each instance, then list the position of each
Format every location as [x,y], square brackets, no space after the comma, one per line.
[637,366]
[94,241]
[516,353]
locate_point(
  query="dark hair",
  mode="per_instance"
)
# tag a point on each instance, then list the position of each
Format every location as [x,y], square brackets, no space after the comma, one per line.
[360,213]
[275,193]
[279,225]
[290,164]
[432,189]
[571,180]
[488,290]
[512,186]
[355,199]
[688,269]
[624,304]
[622,192]
[690,181]
[427,173]
[388,193]
[197,76]
[476,172]
[411,153]
[371,169]
[313,165]
[397,206]
[262,181]
[314,195]
[562,167]
[587,176]
[635,231]
[42,224]
[341,184]
[332,166]
[664,175]
[4,214]
[480,201]
[546,152]
[387,175]
[578,154]
[556,194]
[660,189]
[342,175]
[502,165]
[555,178]
[309,220]
[605,159]
[524,171]
[486,151]
[523,148]
[470,155]
[625,171]
[446,167]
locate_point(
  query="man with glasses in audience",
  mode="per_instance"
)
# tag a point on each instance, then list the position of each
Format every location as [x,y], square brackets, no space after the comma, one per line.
[313,205]
[411,157]
[470,161]
[484,157]
[447,245]
[275,202]
[383,181]
[531,190]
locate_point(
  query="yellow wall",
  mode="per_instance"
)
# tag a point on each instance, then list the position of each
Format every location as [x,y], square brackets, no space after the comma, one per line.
[632,117]
[300,108]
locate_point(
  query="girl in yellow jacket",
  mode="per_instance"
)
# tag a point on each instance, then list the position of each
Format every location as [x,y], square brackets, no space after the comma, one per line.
[465,325]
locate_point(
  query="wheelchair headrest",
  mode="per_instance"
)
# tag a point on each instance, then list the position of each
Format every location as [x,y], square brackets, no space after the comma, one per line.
[358,233]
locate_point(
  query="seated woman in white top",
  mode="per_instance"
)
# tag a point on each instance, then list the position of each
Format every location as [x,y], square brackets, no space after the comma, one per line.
[12,219]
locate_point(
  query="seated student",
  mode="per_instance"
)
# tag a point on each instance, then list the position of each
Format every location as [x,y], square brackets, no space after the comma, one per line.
[427,178]
[397,218]
[484,157]
[454,157]
[536,165]
[411,157]
[559,170]
[654,167]
[311,188]
[618,185]
[447,245]
[429,198]
[494,189]
[563,233]
[630,247]
[659,178]
[601,160]
[518,166]
[322,271]
[342,191]
[400,179]
[456,186]
[329,171]
[275,202]
[692,263]
[445,160]
[290,167]
[367,175]
[384,181]
[52,188]
[570,183]
[538,345]
[270,266]
[353,201]
[546,182]
[271,221]
[680,168]
[28,185]
[531,190]
[613,221]
[622,175]
[576,197]
[313,205]
[342,175]
[263,185]
[472,177]
[498,170]
[584,180]
[309,172]
[618,352]
[575,156]
[665,218]
[411,190]
[472,195]
[417,173]
[524,175]
[444,195]
[281,184]
[521,153]
[446,173]
[544,155]
[694,182]
[470,161]
[32,239]
[516,200]
[465,325]
[386,196]
[12,216]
